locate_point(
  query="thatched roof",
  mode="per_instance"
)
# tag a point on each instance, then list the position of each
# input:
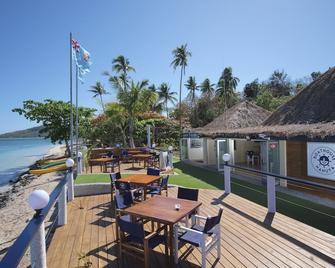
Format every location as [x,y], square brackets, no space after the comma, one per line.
[310,115]
[241,115]
[314,104]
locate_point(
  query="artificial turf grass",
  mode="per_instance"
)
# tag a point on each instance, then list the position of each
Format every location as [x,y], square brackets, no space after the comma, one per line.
[313,214]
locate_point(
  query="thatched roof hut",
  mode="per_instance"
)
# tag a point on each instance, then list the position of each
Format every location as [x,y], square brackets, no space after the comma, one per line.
[242,115]
[310,115]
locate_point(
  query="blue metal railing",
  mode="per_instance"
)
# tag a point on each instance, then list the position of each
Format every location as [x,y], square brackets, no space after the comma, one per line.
[21,244]
[291,179]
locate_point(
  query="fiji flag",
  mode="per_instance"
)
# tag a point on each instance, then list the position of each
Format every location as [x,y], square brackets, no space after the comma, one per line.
[82,59]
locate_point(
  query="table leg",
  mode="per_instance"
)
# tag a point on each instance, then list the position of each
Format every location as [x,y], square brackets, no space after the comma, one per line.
[145,192]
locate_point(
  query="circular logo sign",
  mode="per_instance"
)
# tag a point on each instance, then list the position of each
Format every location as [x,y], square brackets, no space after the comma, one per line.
[323,160]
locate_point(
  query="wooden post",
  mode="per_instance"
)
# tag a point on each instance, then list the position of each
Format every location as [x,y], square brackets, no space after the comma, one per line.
[62,208]
[38,254]
[70,185]
[271,193]
[227,179]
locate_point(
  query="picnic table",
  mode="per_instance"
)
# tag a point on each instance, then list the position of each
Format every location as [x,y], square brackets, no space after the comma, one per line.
[141,180]
[162,210]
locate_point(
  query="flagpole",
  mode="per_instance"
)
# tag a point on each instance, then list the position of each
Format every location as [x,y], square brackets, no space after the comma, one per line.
[71,104]
[77,116]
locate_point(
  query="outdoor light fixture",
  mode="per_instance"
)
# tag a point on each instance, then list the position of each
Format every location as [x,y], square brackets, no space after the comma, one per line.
[80,154]
[170,148]
[226,157]
[153,146]
[118,145]
[69,162]
[38,200]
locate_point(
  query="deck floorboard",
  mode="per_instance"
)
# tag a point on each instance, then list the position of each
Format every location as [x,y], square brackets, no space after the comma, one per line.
[249,238]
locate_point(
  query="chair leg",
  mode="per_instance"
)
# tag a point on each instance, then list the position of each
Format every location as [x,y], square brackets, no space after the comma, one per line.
[146,256]
[219,241]
[203,255]
[175,246]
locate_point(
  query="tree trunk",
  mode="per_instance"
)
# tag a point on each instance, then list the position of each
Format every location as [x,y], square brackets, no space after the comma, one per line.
[131,134]
[180,85]
[102,104]
[67,150]
[124,139]
[167,111]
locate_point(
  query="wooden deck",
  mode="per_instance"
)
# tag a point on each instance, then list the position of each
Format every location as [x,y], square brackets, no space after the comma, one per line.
[250,237]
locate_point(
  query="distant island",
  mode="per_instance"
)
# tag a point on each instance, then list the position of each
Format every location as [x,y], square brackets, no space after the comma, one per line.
[26,133]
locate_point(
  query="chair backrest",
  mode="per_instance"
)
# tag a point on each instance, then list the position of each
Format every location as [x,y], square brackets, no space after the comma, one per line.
[187,193]
[136,230]
[212,221]
[123,200]
[115,176]
[124,153]
[164,181]
[153,171]
[122,186]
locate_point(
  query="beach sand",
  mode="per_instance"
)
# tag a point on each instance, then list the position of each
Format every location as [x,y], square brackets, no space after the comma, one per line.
[15,215]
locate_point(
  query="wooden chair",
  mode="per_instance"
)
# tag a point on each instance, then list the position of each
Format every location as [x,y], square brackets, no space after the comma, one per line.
[136,242]
[205,237]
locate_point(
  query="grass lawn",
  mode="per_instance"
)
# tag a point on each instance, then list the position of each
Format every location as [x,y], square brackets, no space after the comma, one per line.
[319,216]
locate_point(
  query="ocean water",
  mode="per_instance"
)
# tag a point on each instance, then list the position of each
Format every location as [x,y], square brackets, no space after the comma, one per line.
[16,155]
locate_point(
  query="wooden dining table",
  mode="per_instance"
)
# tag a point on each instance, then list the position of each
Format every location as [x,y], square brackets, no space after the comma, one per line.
[100,161]
[162,210]
[140,157]
[141,180]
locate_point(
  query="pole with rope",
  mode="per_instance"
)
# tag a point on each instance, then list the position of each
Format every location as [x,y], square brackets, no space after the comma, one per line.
[71,104]
[77,116]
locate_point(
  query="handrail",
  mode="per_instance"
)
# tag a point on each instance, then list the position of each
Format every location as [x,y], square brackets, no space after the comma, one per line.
[18,249]
[310,183]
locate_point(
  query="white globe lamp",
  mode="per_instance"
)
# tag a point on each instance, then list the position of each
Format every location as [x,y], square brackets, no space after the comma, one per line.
[226,157]
[153,146]
[80,154]
[170,148]
[69,162]
[38,200]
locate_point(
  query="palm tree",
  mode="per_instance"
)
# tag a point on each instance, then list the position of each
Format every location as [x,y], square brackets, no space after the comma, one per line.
[192,86]
[226,87]
[122,67]
[98,90]
[166,96]
[180,57]
[136,100]
[207,89]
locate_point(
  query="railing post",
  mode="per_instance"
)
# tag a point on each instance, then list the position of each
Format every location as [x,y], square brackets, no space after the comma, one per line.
[271,193]
[38,255]
[62,208]
[227,179]
[70,190]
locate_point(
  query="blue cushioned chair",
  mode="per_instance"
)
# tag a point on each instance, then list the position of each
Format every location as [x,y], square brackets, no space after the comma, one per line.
[153,172]
[189,194]
[133,239]
[114,177]
[204,237]
[123,201]
[153,190]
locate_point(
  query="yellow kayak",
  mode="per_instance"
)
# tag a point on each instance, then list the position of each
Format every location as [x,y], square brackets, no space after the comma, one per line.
[49,161]
[48,170]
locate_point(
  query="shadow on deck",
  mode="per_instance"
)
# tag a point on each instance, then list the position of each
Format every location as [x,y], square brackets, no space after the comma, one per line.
[250,237]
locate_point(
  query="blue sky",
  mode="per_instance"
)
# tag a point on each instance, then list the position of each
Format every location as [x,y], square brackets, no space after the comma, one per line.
[254,37]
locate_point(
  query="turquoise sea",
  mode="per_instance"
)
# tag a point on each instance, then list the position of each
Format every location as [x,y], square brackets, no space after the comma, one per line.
[17,154]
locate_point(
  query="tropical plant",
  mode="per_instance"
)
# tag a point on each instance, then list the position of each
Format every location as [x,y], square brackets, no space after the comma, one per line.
[280,84]
[98,90]
[226,87]
[55,118]
[207,89]
[118,116]
[134,101]
[315,75]
[122,67]
[192,87]
[180,58]
[166,96]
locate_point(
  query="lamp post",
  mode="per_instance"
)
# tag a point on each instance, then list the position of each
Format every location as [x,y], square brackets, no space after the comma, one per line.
[70,163]
[227,172]
[80,163]
[170,156]
[38,200]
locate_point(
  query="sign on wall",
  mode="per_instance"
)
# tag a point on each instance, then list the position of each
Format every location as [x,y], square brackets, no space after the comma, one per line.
[321,160]
[196,143]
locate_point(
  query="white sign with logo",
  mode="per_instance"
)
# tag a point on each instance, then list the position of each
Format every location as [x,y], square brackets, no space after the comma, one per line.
[321,160]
